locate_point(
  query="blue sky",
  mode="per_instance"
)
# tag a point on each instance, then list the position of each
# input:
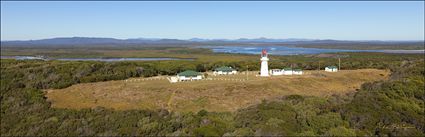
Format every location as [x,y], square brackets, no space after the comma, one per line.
[231,20]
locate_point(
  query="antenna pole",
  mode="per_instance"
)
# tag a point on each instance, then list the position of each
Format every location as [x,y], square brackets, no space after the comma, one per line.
[292,69]
[319,66]
[339,63]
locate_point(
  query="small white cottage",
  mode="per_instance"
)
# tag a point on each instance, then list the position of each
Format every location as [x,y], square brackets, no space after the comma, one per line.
[287,71]
[276,72]
[297,72]
[225,71]
[331,69]
[189,75]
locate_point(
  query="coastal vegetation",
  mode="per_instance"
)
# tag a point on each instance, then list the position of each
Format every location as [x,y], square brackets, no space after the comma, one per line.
[391,107]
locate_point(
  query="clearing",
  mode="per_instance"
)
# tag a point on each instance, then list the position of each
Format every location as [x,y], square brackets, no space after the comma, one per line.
[217,95]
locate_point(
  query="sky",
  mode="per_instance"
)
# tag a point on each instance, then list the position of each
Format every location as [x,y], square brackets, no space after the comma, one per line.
[214,20]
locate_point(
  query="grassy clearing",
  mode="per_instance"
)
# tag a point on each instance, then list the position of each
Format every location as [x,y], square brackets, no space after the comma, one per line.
[212,95]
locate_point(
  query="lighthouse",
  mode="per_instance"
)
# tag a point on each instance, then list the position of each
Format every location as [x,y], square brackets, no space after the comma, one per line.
[264,64]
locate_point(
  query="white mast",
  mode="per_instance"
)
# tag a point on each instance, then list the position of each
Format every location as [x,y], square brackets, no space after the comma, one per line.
[264,64]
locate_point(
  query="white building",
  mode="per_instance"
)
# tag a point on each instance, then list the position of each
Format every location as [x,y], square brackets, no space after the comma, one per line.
[287,71]
[224,71]
[331,69]
[276,72]
[189,75]
[264,72]
[297,72]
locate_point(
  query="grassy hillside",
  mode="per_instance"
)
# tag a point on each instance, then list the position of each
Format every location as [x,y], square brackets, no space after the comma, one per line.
[222,93]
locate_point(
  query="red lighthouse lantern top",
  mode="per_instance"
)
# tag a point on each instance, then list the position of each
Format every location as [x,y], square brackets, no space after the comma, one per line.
[264,53]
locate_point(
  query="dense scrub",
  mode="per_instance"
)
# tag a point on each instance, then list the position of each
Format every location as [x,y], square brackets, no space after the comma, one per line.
[393,107]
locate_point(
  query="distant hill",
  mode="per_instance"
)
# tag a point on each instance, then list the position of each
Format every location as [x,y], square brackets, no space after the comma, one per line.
[96,41]
[90,41]
[64,41]
[262,39]
[157,42]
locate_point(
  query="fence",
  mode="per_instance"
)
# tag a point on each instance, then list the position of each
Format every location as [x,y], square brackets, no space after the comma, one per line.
[145,79]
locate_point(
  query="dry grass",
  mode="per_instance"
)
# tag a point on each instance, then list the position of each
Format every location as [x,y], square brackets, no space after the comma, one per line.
[212,95]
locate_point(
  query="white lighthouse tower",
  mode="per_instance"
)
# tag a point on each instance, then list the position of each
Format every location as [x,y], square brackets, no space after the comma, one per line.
[264,64]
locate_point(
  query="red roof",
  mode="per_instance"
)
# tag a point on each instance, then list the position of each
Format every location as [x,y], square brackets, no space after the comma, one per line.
[264,52]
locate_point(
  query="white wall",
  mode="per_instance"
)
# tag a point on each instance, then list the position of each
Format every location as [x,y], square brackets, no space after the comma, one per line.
[183,78]
[174,79]
[331,70]
[276,72]
[224,73]
[297,72]
[287,72]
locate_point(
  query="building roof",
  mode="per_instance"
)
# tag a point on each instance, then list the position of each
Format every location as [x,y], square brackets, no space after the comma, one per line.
[332,67]
[286,69]
[297,69]
[189,73]
[225,69]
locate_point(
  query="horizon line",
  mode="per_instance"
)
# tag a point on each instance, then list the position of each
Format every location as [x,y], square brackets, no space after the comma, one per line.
[210,39]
